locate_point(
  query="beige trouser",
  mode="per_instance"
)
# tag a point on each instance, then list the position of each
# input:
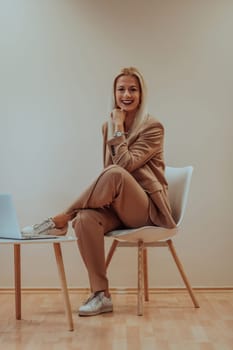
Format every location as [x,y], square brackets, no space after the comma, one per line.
[114,200]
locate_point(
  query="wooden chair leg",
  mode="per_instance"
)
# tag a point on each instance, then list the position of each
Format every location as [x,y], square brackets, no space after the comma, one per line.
[17,270]
[111,252]
[183,275]
[61,271]
[140,278]
[145,274]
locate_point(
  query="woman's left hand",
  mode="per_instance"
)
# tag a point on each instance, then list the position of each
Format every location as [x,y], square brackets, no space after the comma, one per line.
[118,117]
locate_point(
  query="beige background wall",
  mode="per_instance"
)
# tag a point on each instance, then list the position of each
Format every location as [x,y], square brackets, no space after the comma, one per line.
[58,58]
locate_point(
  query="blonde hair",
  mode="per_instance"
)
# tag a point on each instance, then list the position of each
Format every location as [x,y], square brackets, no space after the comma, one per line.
[142,110]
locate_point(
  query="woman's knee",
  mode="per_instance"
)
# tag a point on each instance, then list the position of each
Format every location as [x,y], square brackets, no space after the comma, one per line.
[115,170]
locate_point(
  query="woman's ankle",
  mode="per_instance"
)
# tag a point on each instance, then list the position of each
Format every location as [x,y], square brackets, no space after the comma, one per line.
[61,220]
[106,293]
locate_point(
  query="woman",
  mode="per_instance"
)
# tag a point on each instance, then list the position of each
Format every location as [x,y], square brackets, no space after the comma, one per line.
[130,192]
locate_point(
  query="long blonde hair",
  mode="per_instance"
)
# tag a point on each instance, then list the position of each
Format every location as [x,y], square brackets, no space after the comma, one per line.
[142,110]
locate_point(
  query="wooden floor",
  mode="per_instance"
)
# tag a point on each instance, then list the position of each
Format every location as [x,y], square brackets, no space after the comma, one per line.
[170,322]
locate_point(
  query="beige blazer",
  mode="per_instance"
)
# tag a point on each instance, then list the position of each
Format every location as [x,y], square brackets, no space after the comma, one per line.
[142,155]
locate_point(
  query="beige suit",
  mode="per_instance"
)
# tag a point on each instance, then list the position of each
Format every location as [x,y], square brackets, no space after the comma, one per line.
[142,155]
[131,191]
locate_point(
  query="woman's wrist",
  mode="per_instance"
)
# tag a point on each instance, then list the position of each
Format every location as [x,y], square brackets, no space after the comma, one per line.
[119,127]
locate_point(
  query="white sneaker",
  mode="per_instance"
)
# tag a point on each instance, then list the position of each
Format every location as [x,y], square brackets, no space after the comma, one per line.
[95,305]
[46,227]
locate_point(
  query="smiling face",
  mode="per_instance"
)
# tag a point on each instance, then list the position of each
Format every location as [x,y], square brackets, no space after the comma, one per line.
[127,93]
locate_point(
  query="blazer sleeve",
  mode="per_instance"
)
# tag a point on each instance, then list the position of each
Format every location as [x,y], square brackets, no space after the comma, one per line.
[148,142]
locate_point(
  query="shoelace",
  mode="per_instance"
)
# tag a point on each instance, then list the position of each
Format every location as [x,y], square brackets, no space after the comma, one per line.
[92,297]
[89,299]
[44,225]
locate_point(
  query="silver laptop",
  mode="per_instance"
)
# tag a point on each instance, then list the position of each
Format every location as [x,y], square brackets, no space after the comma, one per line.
[9,226]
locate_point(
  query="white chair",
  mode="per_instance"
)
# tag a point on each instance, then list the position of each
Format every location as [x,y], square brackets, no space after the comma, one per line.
[179,180]
[56,242]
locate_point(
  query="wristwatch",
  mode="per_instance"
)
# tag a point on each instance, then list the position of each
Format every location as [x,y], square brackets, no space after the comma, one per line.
[118,133]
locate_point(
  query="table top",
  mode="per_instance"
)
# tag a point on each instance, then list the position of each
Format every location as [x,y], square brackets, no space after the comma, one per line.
[60,239]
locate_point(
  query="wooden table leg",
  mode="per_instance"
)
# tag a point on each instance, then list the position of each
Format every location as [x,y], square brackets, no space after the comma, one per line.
[17,270]
[61,271]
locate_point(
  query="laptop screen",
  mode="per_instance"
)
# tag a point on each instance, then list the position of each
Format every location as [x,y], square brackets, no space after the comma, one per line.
[9,226]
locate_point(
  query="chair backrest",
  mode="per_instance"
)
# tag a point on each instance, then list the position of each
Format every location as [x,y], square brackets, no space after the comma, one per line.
[179,180]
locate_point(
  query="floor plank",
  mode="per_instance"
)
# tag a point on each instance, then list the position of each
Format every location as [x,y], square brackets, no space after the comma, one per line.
[170,322]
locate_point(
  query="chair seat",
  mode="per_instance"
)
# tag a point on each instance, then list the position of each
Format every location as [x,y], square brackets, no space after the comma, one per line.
[146,234]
